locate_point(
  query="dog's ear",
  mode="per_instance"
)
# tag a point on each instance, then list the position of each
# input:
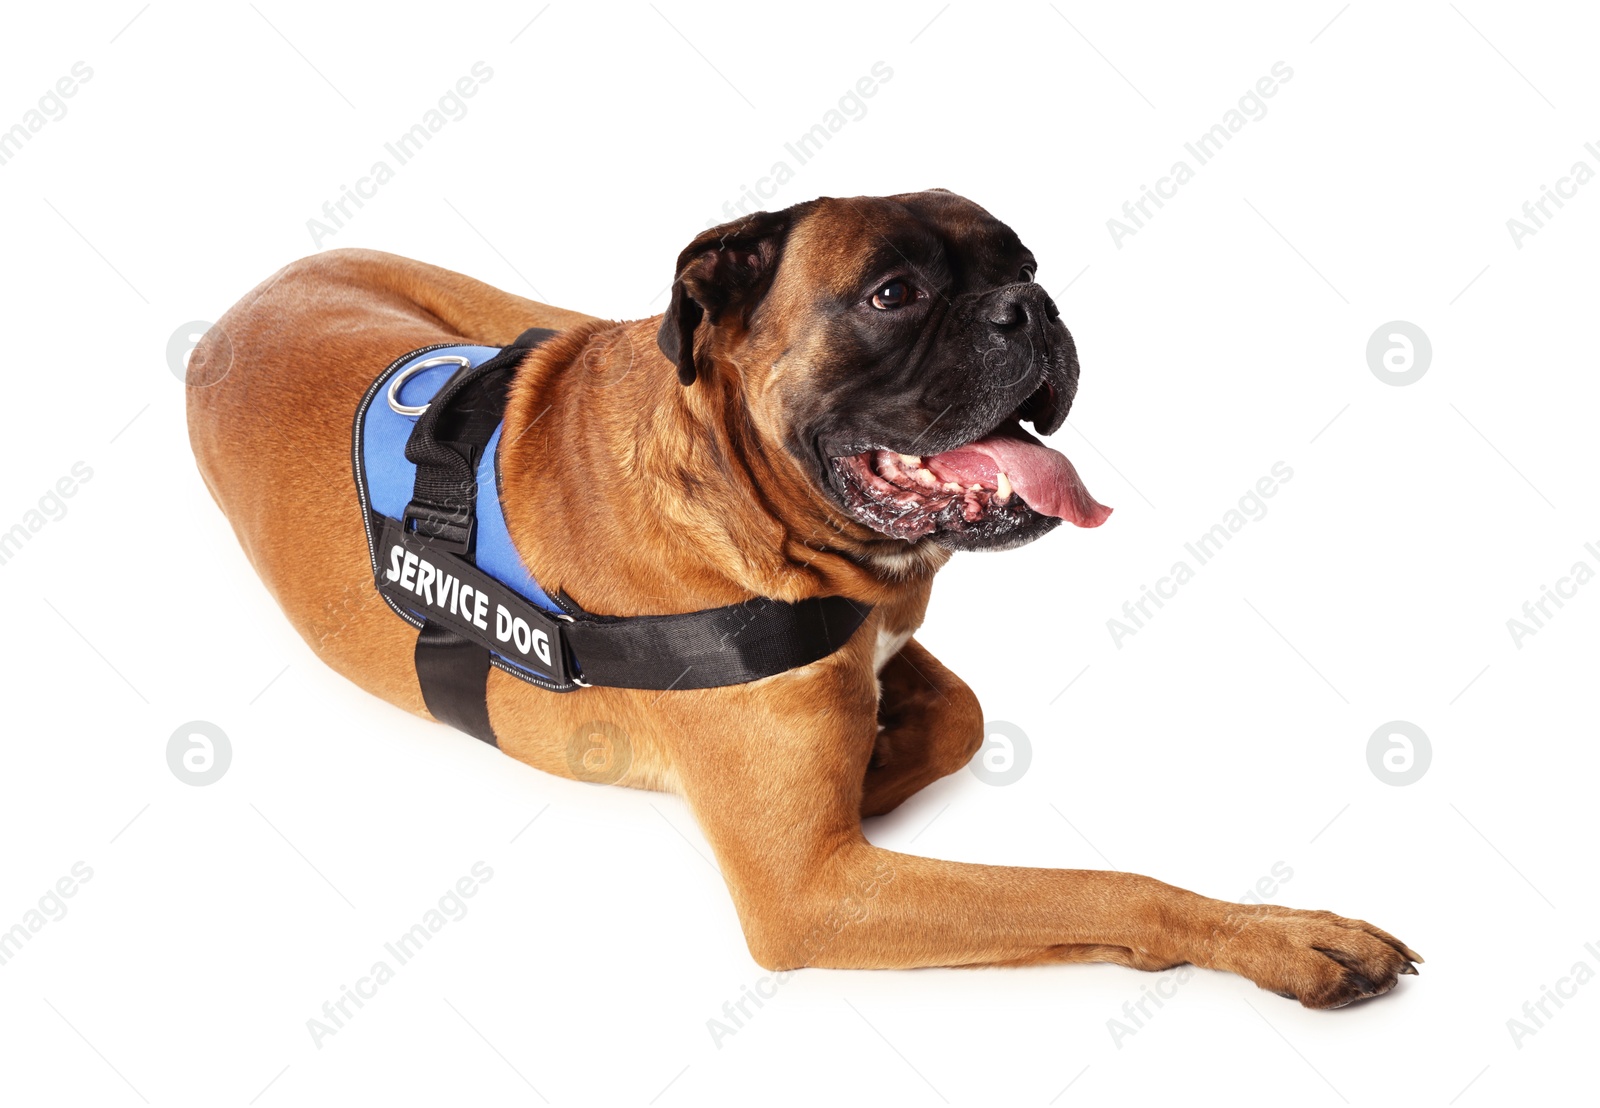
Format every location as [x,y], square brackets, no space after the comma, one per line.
[724,270]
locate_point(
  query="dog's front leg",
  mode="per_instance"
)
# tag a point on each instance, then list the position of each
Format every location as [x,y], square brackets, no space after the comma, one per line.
[778,792]
[930,725]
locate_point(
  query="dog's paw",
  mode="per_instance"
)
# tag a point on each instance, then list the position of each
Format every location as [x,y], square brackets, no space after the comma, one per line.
[1318,958]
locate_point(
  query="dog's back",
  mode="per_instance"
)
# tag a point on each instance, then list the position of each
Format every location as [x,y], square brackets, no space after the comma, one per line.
[272,390]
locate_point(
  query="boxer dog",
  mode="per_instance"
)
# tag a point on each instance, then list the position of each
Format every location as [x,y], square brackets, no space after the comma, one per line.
[833,403]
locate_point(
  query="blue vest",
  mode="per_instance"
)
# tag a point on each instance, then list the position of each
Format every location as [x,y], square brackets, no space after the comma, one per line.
[384,480]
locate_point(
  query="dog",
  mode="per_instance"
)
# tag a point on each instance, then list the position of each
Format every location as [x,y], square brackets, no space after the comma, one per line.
[831,405]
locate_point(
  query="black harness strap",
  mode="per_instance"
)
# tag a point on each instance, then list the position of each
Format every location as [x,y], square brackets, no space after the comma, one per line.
[454,674]
[711,648]
[445,446]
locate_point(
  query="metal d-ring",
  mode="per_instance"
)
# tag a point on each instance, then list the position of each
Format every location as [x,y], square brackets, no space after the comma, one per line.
[576,680]
[412,370]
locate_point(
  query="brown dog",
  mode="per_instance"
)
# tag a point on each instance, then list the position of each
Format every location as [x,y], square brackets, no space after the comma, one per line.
[831,404]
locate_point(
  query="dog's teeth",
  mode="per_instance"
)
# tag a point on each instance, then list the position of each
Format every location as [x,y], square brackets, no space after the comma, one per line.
[1003,491]
[911,460]
[974,488]
[952,486]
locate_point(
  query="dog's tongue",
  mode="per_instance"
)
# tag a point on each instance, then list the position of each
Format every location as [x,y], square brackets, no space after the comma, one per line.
[1041,476]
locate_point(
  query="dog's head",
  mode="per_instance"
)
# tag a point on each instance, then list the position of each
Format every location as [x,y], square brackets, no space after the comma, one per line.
[893,346]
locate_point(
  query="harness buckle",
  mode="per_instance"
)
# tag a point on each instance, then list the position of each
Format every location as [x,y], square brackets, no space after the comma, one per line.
[449,530]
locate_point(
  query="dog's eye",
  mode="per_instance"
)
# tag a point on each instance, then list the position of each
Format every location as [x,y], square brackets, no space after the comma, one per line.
[1027,274]
[895,294]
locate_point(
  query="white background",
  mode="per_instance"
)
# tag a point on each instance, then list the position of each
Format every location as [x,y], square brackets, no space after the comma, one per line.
[1228,735]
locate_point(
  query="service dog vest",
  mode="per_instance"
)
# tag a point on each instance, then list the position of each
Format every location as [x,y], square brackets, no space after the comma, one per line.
[427,476]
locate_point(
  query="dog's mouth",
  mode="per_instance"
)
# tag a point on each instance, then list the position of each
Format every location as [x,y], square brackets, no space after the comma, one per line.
[993,485]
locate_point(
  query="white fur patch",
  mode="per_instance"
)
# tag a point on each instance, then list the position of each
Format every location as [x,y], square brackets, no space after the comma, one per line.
[889,644]
[897,563]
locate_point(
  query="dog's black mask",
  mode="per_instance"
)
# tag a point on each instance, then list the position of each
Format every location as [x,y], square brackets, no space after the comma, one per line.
[907,342]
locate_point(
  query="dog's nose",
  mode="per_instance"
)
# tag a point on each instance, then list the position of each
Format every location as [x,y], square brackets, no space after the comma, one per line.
[1016,306]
